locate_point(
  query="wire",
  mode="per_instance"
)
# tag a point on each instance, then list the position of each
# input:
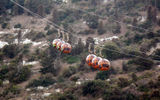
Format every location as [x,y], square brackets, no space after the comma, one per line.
[105,17]
[127,54]
[55,25]
[114,21]
[35,14]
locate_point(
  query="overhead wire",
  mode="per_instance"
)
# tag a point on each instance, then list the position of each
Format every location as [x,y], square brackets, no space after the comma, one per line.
[35,14]
[58,27]
[104,17]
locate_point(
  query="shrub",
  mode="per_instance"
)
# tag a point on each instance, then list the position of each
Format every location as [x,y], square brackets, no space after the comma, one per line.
[42,81]
[51,31]
[71,59]
[10,50]
[74,78]
[116,29]
[143,88]
[17,26]
[64,96]
[11,90]
[111,50]
[47,27]
[93,88]
[105,74]
[92,22]
[141,64]
[70,71]
[4,25]
[134,77]
[156,54]
[38,36]
[21,76]
[123,82]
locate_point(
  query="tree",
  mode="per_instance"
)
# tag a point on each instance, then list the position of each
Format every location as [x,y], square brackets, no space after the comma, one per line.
[41,10]
[101,30]
[152,14]
[92,22]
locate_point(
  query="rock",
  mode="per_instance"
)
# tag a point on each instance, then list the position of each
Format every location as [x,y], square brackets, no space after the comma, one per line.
[46,94]
[78,83]
[28,89]
[40,87]
[57,90]
[6,82]
[108,80]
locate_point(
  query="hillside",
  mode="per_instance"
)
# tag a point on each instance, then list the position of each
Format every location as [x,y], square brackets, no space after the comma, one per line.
[126,32]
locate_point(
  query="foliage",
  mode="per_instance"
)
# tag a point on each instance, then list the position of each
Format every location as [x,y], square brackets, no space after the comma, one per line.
[17,26]
[4,25]
[70,71]
[64,96]
[21,76]
[10,91]
[109,51]
[86,32]
[10,50]
[48,61]
[45,81]
[75,1]
[156,54]
[38,35]
[123,82]
[105,74]
[92,22]
[11,72]
[134,77]
[71,59]
[93,88]
[51,31]
[141,64]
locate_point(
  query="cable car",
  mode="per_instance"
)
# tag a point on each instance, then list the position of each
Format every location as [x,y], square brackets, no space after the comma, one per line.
[66,48]
[104,65]
[54,43]
[89,59]
[95,62]
[59,45]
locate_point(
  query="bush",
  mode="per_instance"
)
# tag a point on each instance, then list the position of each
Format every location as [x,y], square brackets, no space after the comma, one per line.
[38,36]
[123,82]
[21,76]
[141,64]
[64,96]
[72,59]
[10,50]
[156,55]
[4,25]
[10,90]
[105,74]
[134,77]
[70,71]
[51,31]
[92,22]
[47,27]
[93,88]
[17,26]
[111,51]
[42,81]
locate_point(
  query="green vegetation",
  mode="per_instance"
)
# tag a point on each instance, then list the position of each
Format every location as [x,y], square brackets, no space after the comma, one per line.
[70,71]
[45,81]
[93,88]
[17,26]
[109,51]
[71,59]
[136,75]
